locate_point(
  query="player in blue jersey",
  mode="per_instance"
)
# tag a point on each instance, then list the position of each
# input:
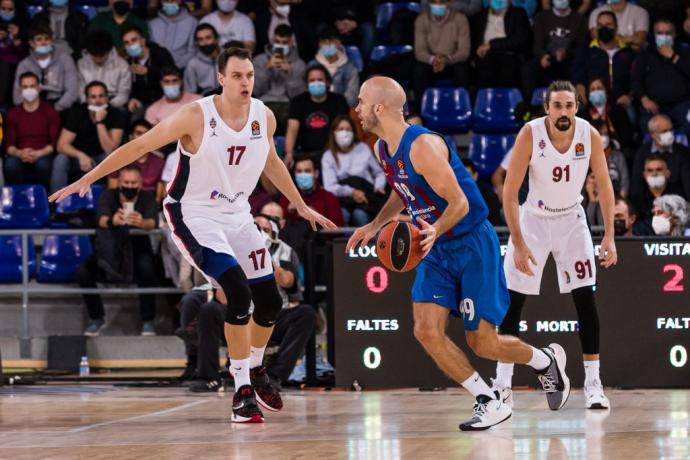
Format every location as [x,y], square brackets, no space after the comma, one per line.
[461,273]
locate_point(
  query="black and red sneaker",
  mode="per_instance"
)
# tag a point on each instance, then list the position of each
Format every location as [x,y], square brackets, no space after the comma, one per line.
[267,395]
[244,407]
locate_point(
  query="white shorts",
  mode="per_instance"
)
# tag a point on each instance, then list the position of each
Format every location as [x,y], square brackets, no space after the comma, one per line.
[213,242]
[567,237]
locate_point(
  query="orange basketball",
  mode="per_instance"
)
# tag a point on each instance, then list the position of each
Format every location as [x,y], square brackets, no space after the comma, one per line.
[398,246]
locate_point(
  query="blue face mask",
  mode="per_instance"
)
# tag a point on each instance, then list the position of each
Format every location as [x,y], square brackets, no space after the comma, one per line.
[498,5]
[47,49]
[171,91]
[597,97]
[58,3]
[438,10]
[305,181]
[663,40]
[328,50]
[6,16]
[561,4]
[170,9]
[613,2]
[134,50]
[317,88]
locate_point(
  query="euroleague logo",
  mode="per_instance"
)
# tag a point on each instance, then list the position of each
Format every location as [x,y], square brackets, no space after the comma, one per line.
[579,150]
[256,128]
[401,168]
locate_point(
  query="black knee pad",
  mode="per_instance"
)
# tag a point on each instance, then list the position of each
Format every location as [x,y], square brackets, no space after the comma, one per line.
[234,283]
[511,322]
[267,302]
[588,319]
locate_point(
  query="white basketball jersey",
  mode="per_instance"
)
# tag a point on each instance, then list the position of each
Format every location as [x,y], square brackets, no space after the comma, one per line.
[555,178]
[226,168]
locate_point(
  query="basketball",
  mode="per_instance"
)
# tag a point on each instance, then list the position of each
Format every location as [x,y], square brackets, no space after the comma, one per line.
[398,246]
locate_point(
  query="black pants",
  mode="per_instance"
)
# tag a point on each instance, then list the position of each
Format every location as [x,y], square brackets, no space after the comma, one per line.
[203,323]
[424,76]
[144,276]
[499,70]
[292,331]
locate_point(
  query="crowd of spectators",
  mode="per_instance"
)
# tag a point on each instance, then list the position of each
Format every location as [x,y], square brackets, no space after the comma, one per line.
[75,88]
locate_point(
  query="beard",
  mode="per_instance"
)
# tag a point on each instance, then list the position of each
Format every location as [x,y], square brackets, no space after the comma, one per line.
[563,124]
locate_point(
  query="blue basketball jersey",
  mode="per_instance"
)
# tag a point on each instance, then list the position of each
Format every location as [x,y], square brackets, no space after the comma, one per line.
[417,194]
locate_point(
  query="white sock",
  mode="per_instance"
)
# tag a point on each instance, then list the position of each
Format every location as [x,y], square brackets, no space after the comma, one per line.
[239,368]
[539,361]
[504,374]
[256,357]
[591,371]
[477,386]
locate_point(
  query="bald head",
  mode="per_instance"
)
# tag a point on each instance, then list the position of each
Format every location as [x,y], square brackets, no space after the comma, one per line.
[385,91]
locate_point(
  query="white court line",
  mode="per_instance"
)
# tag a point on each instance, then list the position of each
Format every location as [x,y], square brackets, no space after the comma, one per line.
[136,417]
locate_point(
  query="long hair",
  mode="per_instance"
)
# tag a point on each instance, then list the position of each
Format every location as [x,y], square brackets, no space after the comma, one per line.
[331,144]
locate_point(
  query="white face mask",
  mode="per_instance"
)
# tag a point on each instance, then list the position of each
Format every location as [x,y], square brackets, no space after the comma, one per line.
[97,108]
[656,181]
[344,138]
[661,225]
[605,140]
[30,94]
[227,6]
[283,10]
[666,139]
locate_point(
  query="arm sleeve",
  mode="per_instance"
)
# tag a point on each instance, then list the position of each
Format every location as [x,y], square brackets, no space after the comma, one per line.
[421,49]
[107,204]
[333,210]
[637,77]
[71,86]
[190,80]
[329,171]
[11,132]
[539,45]
[261,76]
[641,22]
[625,175]
[462,40]
[683,63]
[295,79]
[352,90]
[295,111]
[53,126]
[16,90]
[124,87]
[149,208]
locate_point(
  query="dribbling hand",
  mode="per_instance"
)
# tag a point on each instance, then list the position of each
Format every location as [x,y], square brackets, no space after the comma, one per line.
[522,257]
[361,237]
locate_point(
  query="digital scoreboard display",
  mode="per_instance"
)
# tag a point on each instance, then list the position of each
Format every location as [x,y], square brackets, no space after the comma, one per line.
[644,313]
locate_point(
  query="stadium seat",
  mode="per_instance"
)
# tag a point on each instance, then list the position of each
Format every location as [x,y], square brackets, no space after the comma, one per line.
[75,203]
[23,206]
[279,142]
[487,151]
[385,13]
[494,110]
[538,97]
[33,10]
[381,51]
[61,257]
[89,10]
[11,259]
[355,57]
[447,110]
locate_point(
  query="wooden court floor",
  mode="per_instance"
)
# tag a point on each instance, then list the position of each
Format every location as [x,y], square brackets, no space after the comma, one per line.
[106,422]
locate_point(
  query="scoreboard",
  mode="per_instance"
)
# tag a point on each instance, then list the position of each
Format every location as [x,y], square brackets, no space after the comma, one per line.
[644,313]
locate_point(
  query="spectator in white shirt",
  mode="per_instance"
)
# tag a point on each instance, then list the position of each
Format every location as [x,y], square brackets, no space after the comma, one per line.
[231,25]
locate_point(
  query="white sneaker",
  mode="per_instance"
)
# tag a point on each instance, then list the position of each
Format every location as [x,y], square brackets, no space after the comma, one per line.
[487,413]
[595,397]
[505,393]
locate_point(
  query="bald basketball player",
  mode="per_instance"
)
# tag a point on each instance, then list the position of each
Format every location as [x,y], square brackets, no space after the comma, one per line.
[461,273]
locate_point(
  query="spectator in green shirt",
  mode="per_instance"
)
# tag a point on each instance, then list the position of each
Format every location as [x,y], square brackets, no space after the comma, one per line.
[118,20]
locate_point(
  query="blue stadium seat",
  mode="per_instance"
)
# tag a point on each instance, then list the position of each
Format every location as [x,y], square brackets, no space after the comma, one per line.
[381,51]
[385,13]
[89,10]
[538,97]
[447,110]
[23,206]
[61,257]
[33,10]
[355,57]
[494,110]
[75,203]
[11,259]
[487,151]
[96,190]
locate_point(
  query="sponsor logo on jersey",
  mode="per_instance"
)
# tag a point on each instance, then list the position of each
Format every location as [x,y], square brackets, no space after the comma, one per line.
[579,150]
[542,144]
[256,128]
[216,195]
[401,169]
[213,125]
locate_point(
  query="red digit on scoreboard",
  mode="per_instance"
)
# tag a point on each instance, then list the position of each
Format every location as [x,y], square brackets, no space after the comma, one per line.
[377,279]
[675,284]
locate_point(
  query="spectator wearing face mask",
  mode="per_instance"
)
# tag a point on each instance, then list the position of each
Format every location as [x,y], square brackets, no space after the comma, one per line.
[146,59]
[625,221]
[580,6]
[102,63]
[502,40]
[173,98]
[32,130]
[91,132]
[332,55]
[661,77]
[352,174]
[200,73]
[558,33]
[355,25]
[12,43]
[675,155]
[633,22]
[601,107]
[311,114]
[55,69]
[656,176]
[441,47]
[279,75]
[119,257]
[117,19]
[173,29]
[69,25]
[610,60]
[231,24]
[670,216]
[201,8]
[618,165]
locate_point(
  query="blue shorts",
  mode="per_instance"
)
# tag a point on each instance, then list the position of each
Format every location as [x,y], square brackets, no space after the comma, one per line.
[465,275]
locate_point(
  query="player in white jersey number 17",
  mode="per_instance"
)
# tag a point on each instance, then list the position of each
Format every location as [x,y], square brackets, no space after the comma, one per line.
[204,235]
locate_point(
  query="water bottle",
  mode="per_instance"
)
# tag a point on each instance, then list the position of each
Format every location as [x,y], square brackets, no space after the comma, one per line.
[84,367]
